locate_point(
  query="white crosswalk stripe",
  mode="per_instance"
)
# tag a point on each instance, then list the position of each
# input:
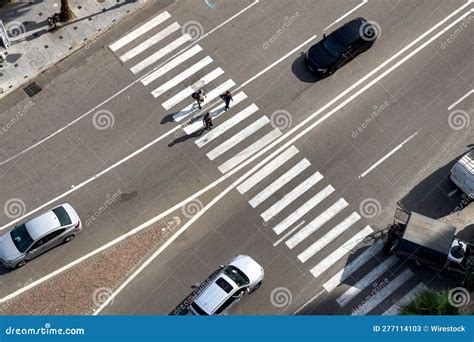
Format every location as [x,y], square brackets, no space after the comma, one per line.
[383,293]
[250,150]
[328,237]
[273,165]
[394,309]
[305,208]
[189,90]
[367,280]
[317,223]
[194,125]
[353,266]
[298,191]
[160,53]
[150,42]
[237,138]
[139,31]
[182,76]
[171,64]
[332,258]
[209,97]
[224,127]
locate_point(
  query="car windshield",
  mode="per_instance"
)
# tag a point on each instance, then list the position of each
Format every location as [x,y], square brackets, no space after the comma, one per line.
[332,46]
[224,285]
[62,215]
[21,238]
[236,275]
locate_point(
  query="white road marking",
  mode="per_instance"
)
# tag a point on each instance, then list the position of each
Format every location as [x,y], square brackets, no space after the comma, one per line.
[170,65]
[209,97]
[387,155]
[367,280]
[461,99]
[194,125]
[382,294]
[288,234]
[150,42]
[346,14]
[238,137]
[332,258]
[139,31]
[280,182]
[314,225]
[305,208]
[308,302]
[267,170]
[250,150]
[186,92]
[286,200]
[395,308]
[183,75]
[328,237]
[160,53]
[451,193]
[353,266]
[224,127]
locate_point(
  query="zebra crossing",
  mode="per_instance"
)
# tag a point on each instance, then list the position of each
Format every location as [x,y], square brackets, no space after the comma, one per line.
[307,209]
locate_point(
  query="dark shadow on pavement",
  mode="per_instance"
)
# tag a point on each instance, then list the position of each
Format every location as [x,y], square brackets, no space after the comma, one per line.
[301,71]
[13,57]
[186,137]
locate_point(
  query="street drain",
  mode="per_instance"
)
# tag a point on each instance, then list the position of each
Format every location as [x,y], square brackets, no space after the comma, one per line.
[32,89]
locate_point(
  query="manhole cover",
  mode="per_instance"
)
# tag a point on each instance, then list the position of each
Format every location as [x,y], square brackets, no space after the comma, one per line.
[32,89]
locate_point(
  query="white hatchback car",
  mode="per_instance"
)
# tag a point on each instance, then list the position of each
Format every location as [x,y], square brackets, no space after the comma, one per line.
[240,277]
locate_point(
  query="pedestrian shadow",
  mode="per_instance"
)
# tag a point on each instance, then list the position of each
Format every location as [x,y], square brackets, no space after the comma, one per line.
[182,114]
[186,137]
[301,71]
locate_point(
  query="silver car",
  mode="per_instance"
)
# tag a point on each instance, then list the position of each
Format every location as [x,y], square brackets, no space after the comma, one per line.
[30,239]
[240,277]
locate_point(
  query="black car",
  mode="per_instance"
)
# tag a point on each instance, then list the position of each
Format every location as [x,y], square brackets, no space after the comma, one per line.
[341,46]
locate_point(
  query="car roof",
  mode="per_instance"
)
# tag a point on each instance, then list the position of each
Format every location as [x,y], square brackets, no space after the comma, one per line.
[349,32]
[47,222]
[213,295]
[467,161]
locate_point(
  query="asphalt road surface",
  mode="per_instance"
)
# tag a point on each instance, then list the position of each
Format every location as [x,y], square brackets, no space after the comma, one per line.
[301,174]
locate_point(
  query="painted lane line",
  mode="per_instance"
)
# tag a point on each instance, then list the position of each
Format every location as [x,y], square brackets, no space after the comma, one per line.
[139,31]
[224,127]
[280,182]
[171,65]
[267,170]
[288,234]
[304,209]
[160,53]
[395,308]
[315,224]
[367,280]
[182,76]
[250,150]
[186,92]
[209,97]
[353,266]
[150,42]
[309,252]
[461,99]
[237,138]
[194,125]
[387,155]
[332,258]
[381,295]
[346,14]
[298,191]
[308,302]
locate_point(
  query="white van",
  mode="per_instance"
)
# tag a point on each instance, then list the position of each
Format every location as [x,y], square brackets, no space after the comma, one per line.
[462,173]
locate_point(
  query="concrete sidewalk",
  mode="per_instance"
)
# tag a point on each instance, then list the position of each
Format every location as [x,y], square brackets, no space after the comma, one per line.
[34,47]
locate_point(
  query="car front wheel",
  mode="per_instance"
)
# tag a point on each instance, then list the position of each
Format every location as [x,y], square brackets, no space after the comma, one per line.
[256,287]
[21,264]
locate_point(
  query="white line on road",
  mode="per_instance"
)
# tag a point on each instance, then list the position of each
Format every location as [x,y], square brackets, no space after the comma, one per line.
[387,155]
[382,294]
[305,208]
[288,234]
[395,308]
[280,182]
[314,225]
[308,302]
[346,14]
[461,99]
[139,31]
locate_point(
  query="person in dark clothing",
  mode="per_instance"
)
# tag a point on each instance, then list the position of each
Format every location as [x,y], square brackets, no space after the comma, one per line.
[207,120]
[199,97]
[227,97]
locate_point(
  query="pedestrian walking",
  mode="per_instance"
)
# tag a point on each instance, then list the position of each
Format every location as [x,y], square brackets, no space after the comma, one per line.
[227,97]
[207,121]
[199,97]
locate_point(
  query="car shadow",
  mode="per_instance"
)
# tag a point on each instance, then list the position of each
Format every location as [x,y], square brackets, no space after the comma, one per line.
[301,71]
